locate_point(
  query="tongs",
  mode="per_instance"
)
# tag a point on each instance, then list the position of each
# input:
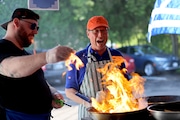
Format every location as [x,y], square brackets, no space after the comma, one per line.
[61,102]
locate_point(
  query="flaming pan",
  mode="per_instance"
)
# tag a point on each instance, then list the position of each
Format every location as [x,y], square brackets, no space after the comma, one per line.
[166,111]
[141,114]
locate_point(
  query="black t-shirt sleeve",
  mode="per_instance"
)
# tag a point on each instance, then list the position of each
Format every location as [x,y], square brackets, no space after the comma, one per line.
[8,49]
[3,52]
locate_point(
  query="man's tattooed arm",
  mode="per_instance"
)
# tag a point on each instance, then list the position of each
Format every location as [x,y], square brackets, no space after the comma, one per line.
[5,72]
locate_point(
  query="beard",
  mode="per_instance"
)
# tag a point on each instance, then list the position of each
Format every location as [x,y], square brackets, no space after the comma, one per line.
[23,37]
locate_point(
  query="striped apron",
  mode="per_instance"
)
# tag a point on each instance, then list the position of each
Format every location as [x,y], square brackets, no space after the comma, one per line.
[92,81]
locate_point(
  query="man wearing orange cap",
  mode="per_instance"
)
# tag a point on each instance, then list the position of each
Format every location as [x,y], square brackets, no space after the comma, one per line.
[83,84]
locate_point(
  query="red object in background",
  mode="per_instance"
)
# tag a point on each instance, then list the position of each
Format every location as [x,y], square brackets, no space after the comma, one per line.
[131,65]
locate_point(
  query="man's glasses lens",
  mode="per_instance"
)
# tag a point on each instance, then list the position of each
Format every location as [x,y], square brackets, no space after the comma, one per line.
[96,31]
[33,25]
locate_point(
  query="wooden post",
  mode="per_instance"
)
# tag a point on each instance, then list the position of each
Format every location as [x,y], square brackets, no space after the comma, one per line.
[174,39]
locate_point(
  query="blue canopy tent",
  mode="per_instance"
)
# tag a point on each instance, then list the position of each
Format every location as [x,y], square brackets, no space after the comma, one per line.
[165,19]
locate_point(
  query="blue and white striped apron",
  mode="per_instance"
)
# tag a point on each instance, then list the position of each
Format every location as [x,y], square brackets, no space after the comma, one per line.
[92,81]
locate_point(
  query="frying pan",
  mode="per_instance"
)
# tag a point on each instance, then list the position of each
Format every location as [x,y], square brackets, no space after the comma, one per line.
[161,99]
[166,111]
[141,114]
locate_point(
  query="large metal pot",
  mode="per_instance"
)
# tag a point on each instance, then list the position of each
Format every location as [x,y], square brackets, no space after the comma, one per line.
[166,111]
[133,115]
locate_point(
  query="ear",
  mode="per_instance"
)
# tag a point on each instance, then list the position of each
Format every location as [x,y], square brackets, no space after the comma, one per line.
[87,33]
[16,22]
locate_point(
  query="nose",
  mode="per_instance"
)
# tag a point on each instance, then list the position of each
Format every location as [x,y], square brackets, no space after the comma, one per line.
[35,31]
[100,33]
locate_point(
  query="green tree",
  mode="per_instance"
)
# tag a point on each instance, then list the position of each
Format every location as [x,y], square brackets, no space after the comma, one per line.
[128,20]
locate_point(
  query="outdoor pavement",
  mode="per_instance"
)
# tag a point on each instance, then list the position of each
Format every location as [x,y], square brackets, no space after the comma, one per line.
[168,84]
[65,113]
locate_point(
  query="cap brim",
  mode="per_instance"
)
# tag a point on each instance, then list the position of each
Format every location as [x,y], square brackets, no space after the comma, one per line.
[5,25]
[99,25]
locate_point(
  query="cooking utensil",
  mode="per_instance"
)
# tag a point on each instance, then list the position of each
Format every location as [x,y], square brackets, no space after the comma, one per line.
[161,99]
[166,111]
[141,114]
[61,102]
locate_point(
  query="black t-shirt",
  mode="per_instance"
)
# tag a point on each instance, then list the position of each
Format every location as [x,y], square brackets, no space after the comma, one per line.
[29,94]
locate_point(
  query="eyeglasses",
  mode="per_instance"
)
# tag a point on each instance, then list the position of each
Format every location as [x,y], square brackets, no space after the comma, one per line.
[33,25]
[96,31]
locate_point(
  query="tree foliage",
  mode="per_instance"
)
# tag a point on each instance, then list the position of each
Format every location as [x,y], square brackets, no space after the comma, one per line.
[128,20]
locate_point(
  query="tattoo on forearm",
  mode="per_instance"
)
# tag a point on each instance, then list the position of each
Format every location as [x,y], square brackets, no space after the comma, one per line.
[5,72]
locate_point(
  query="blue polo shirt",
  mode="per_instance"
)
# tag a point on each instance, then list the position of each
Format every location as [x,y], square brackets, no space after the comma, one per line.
[75,77]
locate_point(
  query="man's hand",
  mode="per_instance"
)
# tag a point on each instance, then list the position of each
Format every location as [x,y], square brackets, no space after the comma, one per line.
[58,53]
[55,104]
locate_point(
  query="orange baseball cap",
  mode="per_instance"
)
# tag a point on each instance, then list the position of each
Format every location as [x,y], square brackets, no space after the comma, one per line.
[97,21]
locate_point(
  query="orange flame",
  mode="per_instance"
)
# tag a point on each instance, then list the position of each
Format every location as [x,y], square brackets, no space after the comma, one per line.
[75,60]
[122,95]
